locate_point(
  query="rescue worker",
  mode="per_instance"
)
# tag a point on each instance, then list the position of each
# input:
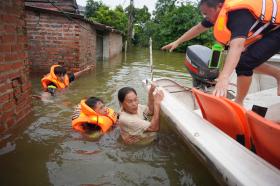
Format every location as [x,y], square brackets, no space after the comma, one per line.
[251,30]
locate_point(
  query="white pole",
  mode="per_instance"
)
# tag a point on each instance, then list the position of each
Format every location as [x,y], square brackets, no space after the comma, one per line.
[151,58]
[125,50]
[125,46]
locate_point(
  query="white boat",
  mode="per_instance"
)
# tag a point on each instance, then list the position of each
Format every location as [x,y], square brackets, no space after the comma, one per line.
[228,161]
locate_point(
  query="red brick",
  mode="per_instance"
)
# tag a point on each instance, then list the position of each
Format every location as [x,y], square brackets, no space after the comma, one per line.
[11,122]
[5,48]
[2,58]
[11,57]
[14,63]
[18,47]
[9,18]
[8,115]
[26,86]
[8,38]
[2,127]
[22,111]
[10,28]
[4,86]
[22,55]
[10,10]
[22,39]
[5,97]
[9,105]
[13,75]
[5,67]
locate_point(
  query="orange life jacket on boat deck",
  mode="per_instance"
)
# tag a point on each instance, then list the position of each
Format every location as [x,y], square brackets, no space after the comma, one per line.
[52,78]
[265,11]
[88,115]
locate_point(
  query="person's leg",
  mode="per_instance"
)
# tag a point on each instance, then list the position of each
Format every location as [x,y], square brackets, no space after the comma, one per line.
[243,84]
[272,71]
[254,56]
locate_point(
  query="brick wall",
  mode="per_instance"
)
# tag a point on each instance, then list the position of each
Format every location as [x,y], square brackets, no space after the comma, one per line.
[115,44]
[87,45]
[54,39]
[15,87]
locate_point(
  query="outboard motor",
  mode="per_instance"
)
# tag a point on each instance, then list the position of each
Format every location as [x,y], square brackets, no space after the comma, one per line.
[197,62]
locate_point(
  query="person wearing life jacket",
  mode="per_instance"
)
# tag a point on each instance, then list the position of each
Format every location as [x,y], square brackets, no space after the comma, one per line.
[92,115]
[251,30]
[59,79]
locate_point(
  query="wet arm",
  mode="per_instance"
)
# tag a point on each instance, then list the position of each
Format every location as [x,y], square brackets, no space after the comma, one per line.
[193,32]
[155,119]
[151,99]
[232,59]
[79,73]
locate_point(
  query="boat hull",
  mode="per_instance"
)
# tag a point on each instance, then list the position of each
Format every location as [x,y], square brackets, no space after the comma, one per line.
[227,160]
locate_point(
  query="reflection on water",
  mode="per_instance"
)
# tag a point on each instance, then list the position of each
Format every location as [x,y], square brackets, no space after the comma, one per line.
[44,150]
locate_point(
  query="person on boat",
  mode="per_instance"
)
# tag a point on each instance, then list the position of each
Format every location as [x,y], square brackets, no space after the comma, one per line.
[252,33]
[92,115]
[59,79]
[133,120]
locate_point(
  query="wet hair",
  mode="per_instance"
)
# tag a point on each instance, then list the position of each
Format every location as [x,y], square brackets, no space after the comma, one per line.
[92,101]
[210,3]
[123,92]
[59,70]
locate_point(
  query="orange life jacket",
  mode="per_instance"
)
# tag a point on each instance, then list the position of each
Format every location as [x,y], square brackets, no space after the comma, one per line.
[265,11]
[88,115]
[52,78]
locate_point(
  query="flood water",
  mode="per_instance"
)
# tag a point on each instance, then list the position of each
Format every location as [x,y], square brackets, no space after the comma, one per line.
[44,150]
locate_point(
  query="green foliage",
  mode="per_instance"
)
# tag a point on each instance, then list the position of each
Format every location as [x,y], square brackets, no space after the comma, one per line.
[142,15]
[162,7]
[115,18]
[97,11]
[91,7]
[170,20]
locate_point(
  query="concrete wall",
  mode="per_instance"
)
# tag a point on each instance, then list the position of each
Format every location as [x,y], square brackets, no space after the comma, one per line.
[15,86]
[106,46]
[115,44]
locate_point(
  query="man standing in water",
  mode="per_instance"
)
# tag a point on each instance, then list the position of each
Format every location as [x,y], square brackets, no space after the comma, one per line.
[250,29]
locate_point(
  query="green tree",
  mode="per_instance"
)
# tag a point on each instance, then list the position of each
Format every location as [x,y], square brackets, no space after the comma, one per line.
[91,8]
[171,20]
[101,13]
[141,18]
[162,7]
[142,15]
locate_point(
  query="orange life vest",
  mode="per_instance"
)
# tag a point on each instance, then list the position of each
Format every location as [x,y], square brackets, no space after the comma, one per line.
[88,115]
[52,78]
[265,11]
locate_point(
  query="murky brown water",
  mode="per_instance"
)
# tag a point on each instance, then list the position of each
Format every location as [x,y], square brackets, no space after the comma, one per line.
[45,150]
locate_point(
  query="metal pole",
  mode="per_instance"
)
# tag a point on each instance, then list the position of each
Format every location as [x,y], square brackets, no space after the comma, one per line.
[151,57]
